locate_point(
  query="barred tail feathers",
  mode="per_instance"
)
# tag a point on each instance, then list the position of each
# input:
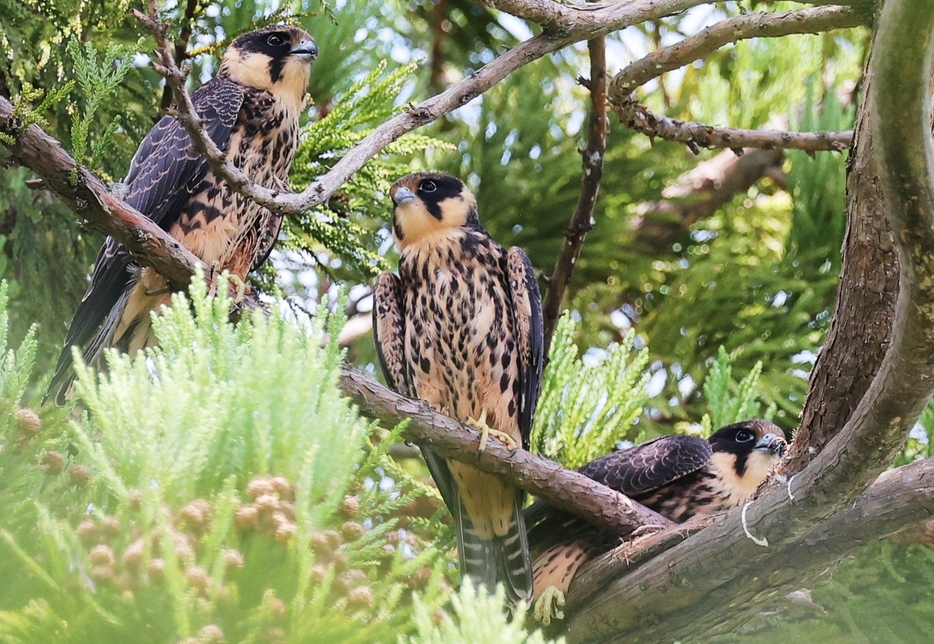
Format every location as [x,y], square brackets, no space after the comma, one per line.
[501,559]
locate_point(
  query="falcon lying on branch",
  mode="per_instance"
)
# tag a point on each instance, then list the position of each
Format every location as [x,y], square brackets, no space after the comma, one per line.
[677,476]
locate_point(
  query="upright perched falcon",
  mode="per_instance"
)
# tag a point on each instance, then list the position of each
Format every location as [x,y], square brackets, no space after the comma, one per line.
[251,111]
[461,328]
[677,476]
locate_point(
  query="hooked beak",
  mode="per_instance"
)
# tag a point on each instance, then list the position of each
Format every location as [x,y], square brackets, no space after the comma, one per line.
[403,195]
[772,443]
[307,50]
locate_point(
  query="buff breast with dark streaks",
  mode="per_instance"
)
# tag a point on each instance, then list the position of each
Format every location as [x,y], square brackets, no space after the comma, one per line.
[461,328]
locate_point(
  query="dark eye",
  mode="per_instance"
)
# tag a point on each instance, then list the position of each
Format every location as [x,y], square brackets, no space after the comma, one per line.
[744,436]
[428,186]
[274,40]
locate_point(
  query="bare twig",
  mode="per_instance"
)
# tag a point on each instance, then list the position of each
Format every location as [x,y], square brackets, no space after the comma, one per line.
[181,45]
[750,25]
[698,135]
[582,220]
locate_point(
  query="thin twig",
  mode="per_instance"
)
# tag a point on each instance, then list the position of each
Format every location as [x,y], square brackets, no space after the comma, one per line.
[582,220]
[751,25]
[698,135]
[181,45]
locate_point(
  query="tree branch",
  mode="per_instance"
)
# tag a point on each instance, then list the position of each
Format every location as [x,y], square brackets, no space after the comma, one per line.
[690,576]
[698,194]
[89,198]
[742,27]
[697,135]
[582,221]
[562,488]
[576,23]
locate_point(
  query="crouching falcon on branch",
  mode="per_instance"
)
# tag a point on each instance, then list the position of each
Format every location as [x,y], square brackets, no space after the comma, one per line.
[460,327]
[677,476]
[251,111]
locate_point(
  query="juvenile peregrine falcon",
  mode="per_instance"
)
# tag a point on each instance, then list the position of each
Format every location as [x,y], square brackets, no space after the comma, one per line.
[251,111]
[677,476]
[461,328]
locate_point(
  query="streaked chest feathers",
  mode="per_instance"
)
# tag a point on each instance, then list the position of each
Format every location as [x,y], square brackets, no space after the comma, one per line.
[460,342]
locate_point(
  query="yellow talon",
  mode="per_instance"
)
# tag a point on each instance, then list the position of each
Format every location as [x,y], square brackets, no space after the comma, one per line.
[486,431]
[240,286]
[548,606]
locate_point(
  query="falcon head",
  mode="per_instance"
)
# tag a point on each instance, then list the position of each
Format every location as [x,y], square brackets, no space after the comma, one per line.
[276,58]
[429,206]
[744,452]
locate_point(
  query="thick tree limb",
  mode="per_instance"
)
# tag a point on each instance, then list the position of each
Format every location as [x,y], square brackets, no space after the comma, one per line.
[698,135]
[88,197]
[692,573]
[865,306]
[742,27]
[445,436]
[582,220]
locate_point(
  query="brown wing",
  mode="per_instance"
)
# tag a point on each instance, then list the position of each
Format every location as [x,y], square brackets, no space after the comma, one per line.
[389,337]
[649,466]
[634,472]
[389,332]
[527,304]
[163,173]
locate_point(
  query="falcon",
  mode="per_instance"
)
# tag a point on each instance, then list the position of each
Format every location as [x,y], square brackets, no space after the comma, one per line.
[251,111]
[677,476]
[460,327]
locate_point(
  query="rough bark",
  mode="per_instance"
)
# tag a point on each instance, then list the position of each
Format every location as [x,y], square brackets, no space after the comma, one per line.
[90,199]
[862,321]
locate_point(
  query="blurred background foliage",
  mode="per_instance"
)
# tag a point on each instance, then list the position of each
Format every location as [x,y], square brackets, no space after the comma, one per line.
[723,312]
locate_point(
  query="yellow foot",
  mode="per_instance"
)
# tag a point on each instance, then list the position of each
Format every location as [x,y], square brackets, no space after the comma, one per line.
[486,431]
[239,285]
[549,605]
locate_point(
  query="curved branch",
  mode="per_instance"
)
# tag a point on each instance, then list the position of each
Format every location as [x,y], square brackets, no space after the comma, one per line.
[898,498]
[582,220]
[690,574]
[742,27]
[697,135]
[576,23]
